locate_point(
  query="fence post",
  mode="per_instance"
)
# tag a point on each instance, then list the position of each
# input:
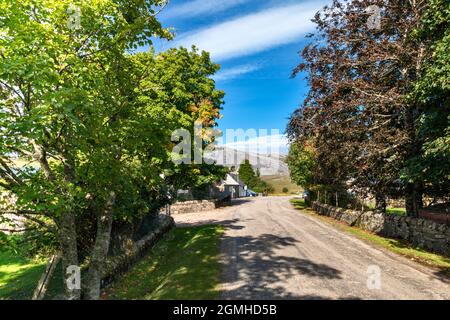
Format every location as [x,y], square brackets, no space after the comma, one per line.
[44,281]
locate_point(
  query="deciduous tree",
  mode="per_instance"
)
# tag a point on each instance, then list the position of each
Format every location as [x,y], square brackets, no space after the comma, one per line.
[85,124]
[360,111]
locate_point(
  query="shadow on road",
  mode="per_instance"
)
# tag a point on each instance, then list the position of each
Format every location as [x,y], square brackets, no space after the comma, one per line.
[443,274]
[239,201]
[253,266]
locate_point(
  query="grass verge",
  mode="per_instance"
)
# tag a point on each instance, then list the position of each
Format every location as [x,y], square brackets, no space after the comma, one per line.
[394,245]
[18,276]
[183,265]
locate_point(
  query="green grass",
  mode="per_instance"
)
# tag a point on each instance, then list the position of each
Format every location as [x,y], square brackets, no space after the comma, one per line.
[18,276]
[299,204]
[396,211]
[393,245]
[403,248]
[389,210]
[278,182]
[183,265]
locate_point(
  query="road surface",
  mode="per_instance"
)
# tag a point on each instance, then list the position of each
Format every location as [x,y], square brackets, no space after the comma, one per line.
[272,251]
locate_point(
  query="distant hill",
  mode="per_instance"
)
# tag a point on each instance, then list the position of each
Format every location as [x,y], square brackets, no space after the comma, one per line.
[278,182]
[268,164]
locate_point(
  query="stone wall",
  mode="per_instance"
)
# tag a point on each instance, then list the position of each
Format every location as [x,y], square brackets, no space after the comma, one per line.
[193,206]
[438,217]
[119,264]
[422,233]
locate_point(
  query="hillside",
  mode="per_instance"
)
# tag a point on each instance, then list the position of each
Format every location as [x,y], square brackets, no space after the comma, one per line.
[278,182]
[268,164]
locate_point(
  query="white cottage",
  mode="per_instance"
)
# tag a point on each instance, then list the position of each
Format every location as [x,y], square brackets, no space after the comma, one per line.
[234,186]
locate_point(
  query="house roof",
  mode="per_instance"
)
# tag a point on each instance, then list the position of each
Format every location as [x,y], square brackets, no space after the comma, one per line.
[233,180]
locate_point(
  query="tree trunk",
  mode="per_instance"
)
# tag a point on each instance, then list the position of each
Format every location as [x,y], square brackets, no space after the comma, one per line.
[414,199]
[380,203]
[100,250]
[414,190]
[69,253]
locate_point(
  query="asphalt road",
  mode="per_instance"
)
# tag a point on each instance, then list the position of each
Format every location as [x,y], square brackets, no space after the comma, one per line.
[272,251]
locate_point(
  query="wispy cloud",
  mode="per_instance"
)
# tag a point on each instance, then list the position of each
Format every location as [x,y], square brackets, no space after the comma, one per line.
[255,32]
[234,72]
[199,7]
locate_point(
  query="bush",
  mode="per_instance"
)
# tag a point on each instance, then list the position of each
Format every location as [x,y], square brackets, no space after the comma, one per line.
[285,190]
[29,244]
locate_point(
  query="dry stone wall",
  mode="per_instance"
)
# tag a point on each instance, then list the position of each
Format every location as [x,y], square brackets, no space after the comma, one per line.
[422,233]
[193,206]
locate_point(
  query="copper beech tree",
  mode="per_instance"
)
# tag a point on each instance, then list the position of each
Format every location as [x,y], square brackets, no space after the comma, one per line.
[361,113]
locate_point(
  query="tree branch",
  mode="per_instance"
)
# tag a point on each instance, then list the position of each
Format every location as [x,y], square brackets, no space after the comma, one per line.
[23,212]
[16,230]
[41,155]
[10,172]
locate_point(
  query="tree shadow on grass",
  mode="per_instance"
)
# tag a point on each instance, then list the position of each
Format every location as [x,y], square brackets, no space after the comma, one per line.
[20,278]
[183,265]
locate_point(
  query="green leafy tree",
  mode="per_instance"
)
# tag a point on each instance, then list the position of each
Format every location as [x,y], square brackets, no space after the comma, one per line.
[247,174]
[252,179]
[432,163]
[302,165]
[181,78]
[363,112]
[86,125]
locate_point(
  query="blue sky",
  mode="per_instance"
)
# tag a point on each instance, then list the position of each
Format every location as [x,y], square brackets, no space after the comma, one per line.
[256,43]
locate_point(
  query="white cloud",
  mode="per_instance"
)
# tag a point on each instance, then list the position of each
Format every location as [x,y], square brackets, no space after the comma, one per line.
[199,7]
[255,32]
[234,72]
